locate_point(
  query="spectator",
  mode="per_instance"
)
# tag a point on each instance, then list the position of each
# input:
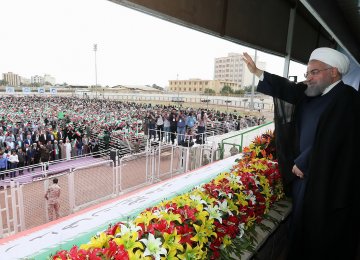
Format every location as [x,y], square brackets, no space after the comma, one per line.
[67,149]
[3,164]
[21,157]
[44,156]
[181,123]
[14,160]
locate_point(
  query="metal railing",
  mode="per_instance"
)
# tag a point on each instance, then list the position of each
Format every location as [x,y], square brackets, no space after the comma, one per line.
[242,139]
[23,205]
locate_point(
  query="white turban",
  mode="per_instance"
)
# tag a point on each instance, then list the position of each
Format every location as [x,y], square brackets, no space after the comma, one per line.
[331,57]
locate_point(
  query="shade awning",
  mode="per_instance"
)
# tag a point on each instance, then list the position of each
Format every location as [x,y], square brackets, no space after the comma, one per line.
[264,25]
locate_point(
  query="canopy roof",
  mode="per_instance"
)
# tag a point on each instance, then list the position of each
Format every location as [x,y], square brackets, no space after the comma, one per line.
[266,25]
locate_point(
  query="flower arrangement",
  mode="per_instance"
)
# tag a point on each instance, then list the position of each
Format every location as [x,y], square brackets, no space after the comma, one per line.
[212,221]
[262,147]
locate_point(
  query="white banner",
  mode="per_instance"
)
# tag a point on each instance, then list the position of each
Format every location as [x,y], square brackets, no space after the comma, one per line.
[26,90]
[53,91]
[41,90]
[10,90]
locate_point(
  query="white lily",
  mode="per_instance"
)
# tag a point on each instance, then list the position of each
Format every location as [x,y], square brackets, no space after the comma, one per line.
[234,178]
[198,199]
[214,212]
[153,247]
[223,206]
[128,228]
[242,230]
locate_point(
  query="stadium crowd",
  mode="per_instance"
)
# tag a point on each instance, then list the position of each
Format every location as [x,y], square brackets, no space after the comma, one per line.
[36,129]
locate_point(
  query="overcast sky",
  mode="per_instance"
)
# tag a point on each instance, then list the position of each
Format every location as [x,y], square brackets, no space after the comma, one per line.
[56,37]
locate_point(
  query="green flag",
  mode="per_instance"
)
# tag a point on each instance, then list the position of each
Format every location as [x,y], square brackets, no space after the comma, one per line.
[61,115]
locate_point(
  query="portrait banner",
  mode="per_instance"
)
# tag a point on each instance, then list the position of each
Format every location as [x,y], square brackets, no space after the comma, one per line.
[26,90]
[10,90]
[53,91]
[41,90]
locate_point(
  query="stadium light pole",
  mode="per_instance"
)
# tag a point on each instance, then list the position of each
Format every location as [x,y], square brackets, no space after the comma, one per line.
[253,87]
[95,50]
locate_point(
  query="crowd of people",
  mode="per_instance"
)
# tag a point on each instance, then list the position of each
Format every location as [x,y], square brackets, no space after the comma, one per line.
[39,129]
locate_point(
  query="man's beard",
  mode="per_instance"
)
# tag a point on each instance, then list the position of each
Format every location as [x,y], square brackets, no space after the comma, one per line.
[313,91]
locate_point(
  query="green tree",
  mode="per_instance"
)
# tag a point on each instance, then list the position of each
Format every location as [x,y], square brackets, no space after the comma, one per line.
[156,87]
[239,92]
[209,91]
[3,82]
[35,84]
[227,90]
[248,88]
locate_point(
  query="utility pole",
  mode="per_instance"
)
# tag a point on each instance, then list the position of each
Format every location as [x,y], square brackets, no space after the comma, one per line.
[95,50]
[253,87]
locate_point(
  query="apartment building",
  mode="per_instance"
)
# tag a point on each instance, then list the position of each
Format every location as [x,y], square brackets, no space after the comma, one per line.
[233,69]
[12,79]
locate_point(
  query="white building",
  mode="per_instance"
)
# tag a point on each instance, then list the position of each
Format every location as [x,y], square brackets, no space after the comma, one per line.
[233,69]
[11,79]
[25,81]
[37,79]
[48,78]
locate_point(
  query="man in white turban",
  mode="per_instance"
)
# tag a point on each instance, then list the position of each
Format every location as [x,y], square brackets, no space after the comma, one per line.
[317,134]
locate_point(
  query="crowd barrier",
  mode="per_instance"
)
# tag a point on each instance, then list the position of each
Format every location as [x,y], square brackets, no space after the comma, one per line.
[24,206]
[243,139]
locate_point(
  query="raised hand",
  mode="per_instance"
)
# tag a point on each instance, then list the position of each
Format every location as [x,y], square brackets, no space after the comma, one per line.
[251,65]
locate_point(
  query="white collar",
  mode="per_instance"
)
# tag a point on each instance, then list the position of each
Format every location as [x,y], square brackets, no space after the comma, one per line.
[330,87]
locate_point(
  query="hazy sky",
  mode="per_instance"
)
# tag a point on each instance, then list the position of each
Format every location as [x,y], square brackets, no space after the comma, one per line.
[56,37]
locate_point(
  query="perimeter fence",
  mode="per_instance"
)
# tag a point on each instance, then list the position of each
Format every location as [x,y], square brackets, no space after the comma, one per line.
[23,206]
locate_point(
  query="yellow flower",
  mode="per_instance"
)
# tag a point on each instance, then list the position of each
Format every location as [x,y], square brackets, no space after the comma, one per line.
[170,256]
[172,242]
[201,235]
[192,253]
[139,255]
[226,241]
[202,216]
[182,200]
[145,218]
[130,242]
[242,199]
[99,241]
[171,217]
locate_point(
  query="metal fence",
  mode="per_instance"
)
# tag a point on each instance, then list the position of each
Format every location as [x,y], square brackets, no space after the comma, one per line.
[243,139]
[23,206]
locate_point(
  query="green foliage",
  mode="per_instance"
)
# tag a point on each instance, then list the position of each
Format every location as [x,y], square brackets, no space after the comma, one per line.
[239,92]
[209,91]
[3,82]
[227,90]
